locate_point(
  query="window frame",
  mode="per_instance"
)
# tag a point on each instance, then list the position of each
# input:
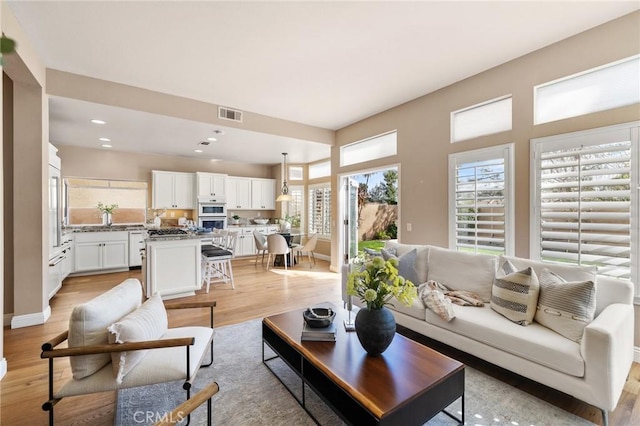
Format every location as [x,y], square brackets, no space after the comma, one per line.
[506,153]
[325,185]
[303,208]
[570,140]
[319,165]
[477,107]
[371,141]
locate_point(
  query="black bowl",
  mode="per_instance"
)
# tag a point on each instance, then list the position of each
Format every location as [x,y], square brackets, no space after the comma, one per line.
[318,317]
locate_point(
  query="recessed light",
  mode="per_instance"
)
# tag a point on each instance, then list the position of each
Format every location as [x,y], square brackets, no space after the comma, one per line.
[212,139]
[197,150]
[106,145]
[215,159]
[96,121]
[104,139]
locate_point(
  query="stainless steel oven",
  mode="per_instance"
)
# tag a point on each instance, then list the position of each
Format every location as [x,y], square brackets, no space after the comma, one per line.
[212,222]
[212,209]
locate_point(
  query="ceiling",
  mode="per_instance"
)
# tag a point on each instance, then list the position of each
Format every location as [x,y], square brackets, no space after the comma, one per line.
[325,64]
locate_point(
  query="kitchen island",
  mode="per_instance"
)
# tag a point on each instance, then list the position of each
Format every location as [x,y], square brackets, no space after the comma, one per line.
[172,265]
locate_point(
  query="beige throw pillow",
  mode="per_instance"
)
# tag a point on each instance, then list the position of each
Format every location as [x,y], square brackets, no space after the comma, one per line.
[565,307]
[515,294]
[148,322]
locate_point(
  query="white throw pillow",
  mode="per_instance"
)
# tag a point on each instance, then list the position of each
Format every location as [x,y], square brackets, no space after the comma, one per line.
[89,321]
[148,322]
[515,293]
[463,271]
[565,307]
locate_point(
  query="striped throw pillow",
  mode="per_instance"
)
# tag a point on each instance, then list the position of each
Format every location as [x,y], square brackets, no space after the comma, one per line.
[515,294]
[565,307]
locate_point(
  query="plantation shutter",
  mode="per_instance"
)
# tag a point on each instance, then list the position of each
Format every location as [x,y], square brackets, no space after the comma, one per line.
[479,207]
[320,211]
[296,205]
[585,202]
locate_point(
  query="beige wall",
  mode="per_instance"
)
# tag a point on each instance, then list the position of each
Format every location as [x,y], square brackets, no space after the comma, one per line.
[423,128]
[7,176]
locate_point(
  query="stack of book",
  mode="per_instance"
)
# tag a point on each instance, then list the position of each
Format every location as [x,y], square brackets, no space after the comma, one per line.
[324,334]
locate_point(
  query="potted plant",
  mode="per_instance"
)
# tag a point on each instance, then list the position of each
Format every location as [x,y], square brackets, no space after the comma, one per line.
[376,283]
[107,212]
[235,219]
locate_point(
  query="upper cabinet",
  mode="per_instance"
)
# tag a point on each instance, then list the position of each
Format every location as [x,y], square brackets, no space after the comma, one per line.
[211,186]
[172,190]
[238,193]
[263,194]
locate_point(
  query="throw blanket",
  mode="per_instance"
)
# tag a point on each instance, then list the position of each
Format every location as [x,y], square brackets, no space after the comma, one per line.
[439,299]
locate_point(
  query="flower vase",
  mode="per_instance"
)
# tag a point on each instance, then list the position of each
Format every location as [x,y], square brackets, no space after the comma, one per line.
[376,329]
[107,220]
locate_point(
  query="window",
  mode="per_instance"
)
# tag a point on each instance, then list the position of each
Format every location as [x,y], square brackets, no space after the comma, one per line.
[320,210]
[319,170]
[487,118]
[610,86]
[585,207]
[295,207]
[480,206]
[295,173]
[373,148]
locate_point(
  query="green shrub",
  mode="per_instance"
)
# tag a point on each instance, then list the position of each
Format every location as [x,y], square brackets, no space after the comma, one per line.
[382,235]
[392,231]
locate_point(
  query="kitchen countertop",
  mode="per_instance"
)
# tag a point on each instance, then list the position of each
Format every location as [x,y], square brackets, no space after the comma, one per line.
[101,228]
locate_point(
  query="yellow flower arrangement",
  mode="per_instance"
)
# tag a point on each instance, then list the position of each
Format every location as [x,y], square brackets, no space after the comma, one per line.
[378,281]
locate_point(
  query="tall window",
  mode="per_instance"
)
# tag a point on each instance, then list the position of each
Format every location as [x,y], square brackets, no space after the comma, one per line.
[296,206]
[480,206]
[585,205]
[320,210]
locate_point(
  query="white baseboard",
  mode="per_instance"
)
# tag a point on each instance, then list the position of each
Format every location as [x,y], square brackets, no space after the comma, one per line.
[7,320]
[19,321]
[636,354]
[3,367]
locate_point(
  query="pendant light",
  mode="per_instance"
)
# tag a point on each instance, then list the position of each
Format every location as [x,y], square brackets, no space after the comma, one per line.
[284,196]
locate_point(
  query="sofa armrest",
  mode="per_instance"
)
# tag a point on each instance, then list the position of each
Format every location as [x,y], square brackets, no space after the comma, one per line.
[607,349]
[116,347]
[188,305]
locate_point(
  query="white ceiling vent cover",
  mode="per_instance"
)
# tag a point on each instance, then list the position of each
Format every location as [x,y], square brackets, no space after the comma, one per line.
[230,114]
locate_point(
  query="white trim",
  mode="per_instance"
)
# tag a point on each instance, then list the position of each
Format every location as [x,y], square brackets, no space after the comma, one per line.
[7,320]
[636,354]
[19,321]
[3,367]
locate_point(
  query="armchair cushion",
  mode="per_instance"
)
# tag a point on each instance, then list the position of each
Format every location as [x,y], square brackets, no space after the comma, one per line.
[89,322]
[148,322]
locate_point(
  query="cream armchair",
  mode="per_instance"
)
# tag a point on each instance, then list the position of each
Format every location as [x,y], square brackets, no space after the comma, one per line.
[116,342]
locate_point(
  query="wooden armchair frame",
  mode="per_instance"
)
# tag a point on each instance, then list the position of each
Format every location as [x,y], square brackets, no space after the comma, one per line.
[50,352]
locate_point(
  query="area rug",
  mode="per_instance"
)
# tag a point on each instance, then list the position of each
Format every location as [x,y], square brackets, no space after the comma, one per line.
[250,394]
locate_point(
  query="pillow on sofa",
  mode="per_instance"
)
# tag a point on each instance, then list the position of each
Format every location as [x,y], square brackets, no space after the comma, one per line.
[463,271]
[515,294]
[89,321]
[565,307]
[422,256]
[148,322]
[406,264]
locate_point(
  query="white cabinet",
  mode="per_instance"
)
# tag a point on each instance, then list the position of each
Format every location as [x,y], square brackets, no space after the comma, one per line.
[211,186]
[238,193]
[101,250]
[172,190]
[263,194]
[173,267]
[245,245]
[136,244]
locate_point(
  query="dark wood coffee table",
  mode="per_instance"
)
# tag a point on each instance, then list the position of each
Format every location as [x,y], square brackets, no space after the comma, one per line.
[407,385]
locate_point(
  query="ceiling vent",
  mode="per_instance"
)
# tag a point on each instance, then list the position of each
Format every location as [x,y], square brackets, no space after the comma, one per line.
[230,114]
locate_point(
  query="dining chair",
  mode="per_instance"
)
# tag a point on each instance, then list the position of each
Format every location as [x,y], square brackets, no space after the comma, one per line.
[277,245]
[308,247]
[261,244]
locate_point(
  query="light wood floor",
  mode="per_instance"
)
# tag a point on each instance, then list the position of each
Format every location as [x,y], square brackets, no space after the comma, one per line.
[258,293]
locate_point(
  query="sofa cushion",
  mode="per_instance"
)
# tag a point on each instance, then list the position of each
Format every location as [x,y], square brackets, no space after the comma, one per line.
[416,310]
[515,294]
[535,343]
[406,264]
[565,307]
[89,322]
[463,271]
[422,257]
[148,322]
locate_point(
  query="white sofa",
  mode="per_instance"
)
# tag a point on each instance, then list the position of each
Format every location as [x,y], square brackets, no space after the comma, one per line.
[593,370]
